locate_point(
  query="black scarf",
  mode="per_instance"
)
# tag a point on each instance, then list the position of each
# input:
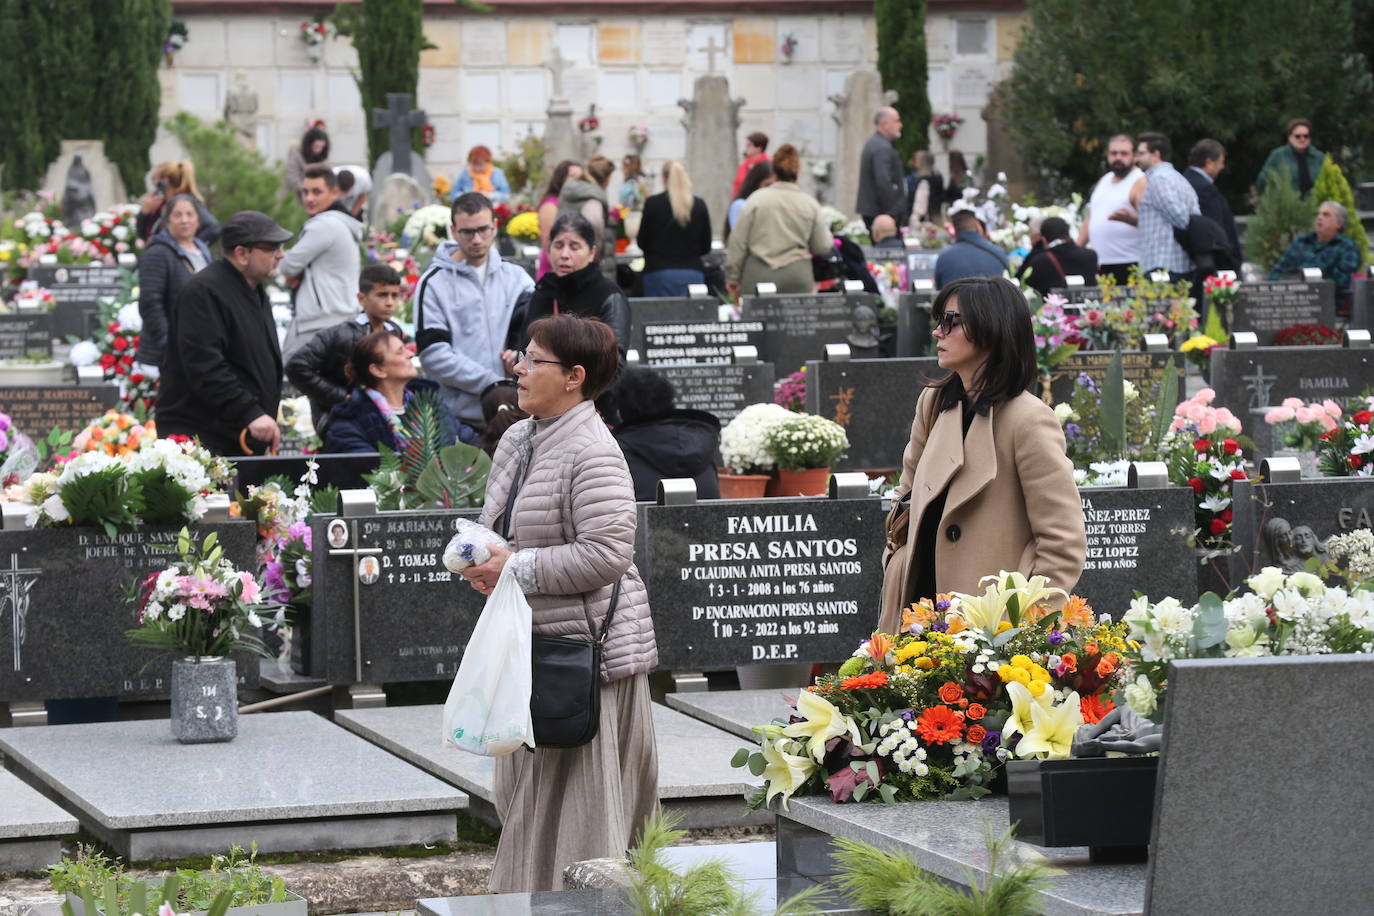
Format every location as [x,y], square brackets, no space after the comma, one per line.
[1304,173]
[581,292]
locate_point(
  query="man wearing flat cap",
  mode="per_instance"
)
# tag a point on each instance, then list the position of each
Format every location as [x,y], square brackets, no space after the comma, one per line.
[222,378]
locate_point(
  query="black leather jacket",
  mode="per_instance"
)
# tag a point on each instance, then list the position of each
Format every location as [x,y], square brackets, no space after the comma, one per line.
[584,292]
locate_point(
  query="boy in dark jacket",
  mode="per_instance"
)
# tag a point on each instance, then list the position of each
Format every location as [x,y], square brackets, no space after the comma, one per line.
[317,368]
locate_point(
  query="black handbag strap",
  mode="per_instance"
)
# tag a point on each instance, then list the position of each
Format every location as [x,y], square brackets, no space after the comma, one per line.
[610,614]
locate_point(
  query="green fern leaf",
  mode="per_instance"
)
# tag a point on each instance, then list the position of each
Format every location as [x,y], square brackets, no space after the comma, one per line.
[424,426]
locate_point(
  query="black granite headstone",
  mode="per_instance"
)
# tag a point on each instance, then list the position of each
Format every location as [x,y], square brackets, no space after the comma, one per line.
[1361,309]
[1137,367]
[720,390]
[1250,382]
[25,334]
[913,322]
[1081,296]
[920,265]
[750,582]
[874,400]
[77,291]
[342,471]
[63,614]
[1266,308]
[797,328]
[1137,540]
[667,342]
[34,410]
[414,615]
[1286,524]
[682,310]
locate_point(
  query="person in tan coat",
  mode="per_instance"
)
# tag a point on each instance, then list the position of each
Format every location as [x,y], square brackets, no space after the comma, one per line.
[572,532]
[985,475]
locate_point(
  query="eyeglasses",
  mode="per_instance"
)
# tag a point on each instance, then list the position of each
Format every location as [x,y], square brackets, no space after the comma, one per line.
[523,356]
[948,322]
[468,235]
[1301,136]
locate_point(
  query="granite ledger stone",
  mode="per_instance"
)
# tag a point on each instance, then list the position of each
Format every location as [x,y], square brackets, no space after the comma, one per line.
[1287,524]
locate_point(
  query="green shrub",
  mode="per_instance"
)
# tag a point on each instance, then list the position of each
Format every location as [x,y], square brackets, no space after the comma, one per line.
[1331,185]
[1280,216]
[231,176]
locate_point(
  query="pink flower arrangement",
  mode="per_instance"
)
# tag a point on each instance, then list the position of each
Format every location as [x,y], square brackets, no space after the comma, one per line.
[1204,419]
[1303,425]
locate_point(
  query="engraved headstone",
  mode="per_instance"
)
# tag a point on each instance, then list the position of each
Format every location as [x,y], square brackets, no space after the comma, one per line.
[1287,524]
[874,400]
[644,310]
[707,342]
[34,410]
[920,264]
[1136,540]
[77,291]
[762,581]
[1139,368]
[797,328]
[720,390]
[1266,308]
[25,334]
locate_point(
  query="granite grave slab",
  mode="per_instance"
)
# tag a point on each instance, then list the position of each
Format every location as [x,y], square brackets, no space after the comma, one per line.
[77,290]
[1286,524]
[913,323]
[31,827]
[63,614]
[694,772]
[720,390]
[920,265]
[289,781]
[1250,382]
[1267,308]
[797,328]
[1143,369]
[874,400]
[1215,849]
[1361,309]
[648,310]
[734,711]
[36,409]
[1134,542]
[762,581]
[414,616]
[25,334]
[671,342]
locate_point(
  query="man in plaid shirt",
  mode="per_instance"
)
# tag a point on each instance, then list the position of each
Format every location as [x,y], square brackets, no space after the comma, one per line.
[1167,203]
[1328,248]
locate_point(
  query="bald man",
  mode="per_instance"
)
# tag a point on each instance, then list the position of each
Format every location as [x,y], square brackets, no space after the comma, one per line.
[882,185]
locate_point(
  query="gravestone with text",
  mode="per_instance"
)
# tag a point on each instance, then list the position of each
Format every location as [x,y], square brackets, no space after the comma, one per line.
[874,400]
[63,614]
[766,581]
[649,310]
[1267,308]
[719,389]
[1143,369]
[1089,295]
[25,334]
[1137,541]
[706,342]
[34,410]
[920,263]
[1287,524]
[913,322]
[77,291]
[797,328]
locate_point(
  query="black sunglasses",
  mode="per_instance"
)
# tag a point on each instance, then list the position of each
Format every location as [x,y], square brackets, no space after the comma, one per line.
[948,322]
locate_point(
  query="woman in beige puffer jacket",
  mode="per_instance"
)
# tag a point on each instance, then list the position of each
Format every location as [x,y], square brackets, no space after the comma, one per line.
[572,530]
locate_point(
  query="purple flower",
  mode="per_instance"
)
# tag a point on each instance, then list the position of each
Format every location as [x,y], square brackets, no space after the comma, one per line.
[908,715]
[1056,637]
[299,530]
[991,740]
[1073,431]
[942,605]
[939,626]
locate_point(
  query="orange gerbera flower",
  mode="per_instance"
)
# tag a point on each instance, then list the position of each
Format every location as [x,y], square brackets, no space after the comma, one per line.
[1077,612]
[976,711]
[864,681]
[976,733]
[950,692]
[1095,707]
[939,725]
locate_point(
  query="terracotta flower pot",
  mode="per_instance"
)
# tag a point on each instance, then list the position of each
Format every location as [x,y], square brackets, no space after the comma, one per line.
[810,482]
[741,486]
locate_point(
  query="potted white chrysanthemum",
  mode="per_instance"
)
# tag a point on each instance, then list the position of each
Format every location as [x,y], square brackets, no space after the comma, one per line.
[804,447]
[744,448]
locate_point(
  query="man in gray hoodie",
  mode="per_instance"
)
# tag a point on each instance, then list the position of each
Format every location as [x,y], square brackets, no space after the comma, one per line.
[323,266]
[465,305]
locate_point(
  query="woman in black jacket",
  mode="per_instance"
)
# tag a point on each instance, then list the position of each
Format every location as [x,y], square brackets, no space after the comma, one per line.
[576,285]
[384,372]
[662,441]
[171,258]
[674,233]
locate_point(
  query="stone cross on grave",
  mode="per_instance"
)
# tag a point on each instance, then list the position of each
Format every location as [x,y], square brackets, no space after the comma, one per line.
[1259,386]
[712,49]
[15,585]
[557,64]
[401,119]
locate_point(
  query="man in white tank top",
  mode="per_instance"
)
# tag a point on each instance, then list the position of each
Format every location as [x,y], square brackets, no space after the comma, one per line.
[1110,228]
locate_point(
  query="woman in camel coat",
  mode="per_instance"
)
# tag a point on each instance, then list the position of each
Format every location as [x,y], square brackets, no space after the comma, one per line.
[985,473]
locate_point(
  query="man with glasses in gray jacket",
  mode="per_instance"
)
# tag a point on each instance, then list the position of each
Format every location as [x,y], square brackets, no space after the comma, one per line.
[466,303]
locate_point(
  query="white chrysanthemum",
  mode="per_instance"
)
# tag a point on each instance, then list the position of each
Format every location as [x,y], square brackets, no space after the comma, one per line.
[54,508]
[176,611]
[83,353]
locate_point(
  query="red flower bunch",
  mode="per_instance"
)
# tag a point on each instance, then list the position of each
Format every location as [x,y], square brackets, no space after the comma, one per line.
[1348,450]
[1306,335]
[117,351]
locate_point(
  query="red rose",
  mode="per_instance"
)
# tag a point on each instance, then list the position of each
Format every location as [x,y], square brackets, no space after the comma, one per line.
[1230,446]
[1226,516]
[119,343]
[1363,417]
[1197,485]
[136,378]
[1238,474]
[1355,462]
[1328,434]
[113,328]
[1218,526]
[1202,445]
[107,360]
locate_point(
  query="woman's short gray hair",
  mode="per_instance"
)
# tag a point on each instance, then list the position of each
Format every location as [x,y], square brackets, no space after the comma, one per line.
[1342,216]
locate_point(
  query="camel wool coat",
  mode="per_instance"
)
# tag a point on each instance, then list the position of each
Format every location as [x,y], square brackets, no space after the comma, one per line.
[1012,502]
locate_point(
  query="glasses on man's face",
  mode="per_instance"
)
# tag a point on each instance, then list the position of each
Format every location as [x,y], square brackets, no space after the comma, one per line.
[468,235]
[523,356]
[948,322]
[1301,136]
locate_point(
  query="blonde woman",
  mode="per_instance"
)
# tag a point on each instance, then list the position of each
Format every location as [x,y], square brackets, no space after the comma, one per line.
[167,180]
[674,235]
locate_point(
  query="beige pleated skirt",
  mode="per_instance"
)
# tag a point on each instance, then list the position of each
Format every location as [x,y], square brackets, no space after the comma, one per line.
[558,807]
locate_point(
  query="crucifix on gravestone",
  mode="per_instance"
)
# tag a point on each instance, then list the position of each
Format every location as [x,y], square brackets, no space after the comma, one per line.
[401,119]
[15,585]
[557,64]
[712,49]
[1259,386]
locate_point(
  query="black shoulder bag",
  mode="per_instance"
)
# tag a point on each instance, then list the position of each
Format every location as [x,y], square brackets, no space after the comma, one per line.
[565,699]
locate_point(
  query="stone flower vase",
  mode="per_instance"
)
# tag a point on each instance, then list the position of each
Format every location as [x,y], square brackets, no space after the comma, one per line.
[205,699]
[810,482]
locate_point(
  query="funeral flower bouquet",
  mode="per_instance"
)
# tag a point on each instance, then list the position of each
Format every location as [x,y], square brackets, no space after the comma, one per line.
[524,226]
[1198,350]
[427,226]
[791,391]
[806,441]
[1056,334]
[285,538]
[198,606]
[934,710]
[1140,307]
[1220,295]
[1282,615]
[1347,449]
[1201,453]
[1300,425]
[744,441]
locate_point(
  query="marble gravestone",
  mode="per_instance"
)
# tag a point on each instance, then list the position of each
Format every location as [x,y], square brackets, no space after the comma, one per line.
[797,328]
[667,342]
[77,291]
[646,310]
[1250,382]
[855,107]
[874,400]
[1233,830]
[720,390]
[35,410]
[913,323]
[1136,541]
[398,195]
[25,334]
[560,136]
[712,123]
[1143,369]
[64,613]
[1287,524]
[1267,308]
[762,581]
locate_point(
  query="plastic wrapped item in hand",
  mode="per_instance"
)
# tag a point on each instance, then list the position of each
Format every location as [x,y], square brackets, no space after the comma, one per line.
[471,546]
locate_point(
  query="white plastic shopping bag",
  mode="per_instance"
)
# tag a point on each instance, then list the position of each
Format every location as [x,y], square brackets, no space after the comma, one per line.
[488,708]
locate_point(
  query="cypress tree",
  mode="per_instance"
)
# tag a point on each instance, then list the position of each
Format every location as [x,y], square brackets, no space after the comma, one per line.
[132,50]
[901,27]
[21,142]
[388,36]
[1331,185]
